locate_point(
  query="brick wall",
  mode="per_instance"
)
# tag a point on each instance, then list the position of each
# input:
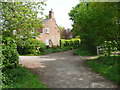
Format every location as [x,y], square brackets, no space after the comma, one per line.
[54,33]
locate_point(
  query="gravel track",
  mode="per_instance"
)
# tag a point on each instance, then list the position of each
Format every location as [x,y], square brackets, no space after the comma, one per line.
[65,70]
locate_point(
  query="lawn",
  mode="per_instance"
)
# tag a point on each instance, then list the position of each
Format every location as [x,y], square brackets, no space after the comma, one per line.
[106,66]
[21,77]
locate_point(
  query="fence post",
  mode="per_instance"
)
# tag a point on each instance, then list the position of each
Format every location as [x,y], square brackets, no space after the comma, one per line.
[97,50]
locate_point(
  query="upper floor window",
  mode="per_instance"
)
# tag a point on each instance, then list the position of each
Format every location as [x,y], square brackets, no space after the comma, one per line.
[47,30]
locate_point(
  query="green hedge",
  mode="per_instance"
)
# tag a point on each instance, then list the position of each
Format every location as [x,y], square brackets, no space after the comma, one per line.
[10,56]
[33,46]
[73,43]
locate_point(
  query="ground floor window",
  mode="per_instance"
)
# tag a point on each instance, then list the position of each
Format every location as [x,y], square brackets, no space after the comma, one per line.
[47,42]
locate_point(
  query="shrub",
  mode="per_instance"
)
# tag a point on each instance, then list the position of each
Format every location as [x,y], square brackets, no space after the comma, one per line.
[9,53]
[33,46]
[20,45]
[10,58]
[73,43]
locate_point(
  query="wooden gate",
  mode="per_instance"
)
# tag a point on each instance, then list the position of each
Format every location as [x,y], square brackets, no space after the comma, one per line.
[100,50]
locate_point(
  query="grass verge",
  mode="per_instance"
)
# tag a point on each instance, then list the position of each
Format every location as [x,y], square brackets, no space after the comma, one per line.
[20,77]
[57,49]
[83,52]
[106,66]
[52,50]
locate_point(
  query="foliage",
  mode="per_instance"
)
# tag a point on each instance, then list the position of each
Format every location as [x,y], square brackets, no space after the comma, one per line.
[96,22]
[20,77]
[19,19]
[73,43]
[109,47]
[61,31]
[65,45]
[82,51]
[56,49]
[106,66]
[33,46]
[9,53]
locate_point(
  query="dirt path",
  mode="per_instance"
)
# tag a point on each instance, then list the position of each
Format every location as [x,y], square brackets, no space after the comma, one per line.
[64,70]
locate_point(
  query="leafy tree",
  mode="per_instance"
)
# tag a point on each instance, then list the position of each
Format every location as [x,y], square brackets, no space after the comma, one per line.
[61,31]
[96,22]
[46,16]
[21,18]
[18,21]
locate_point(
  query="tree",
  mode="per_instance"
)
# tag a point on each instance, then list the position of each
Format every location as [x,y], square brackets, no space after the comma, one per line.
[21,17]
[20,20]
[61,31]
[96,23]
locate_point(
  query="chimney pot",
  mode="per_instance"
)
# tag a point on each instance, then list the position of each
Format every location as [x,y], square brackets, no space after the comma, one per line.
[51,14]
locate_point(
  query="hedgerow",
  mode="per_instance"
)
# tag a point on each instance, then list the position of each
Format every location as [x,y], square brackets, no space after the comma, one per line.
[73,43]
[9,53]
[10,58]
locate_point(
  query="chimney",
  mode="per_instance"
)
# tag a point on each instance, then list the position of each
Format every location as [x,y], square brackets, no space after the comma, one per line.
[51,14]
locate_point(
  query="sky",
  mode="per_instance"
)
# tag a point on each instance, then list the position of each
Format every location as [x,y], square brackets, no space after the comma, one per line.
[61,9]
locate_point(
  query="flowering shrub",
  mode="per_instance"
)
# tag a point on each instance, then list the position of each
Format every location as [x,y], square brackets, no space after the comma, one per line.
[33,46]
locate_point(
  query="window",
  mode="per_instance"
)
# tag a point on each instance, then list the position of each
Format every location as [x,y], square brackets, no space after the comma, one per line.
[47,30]
[47,42]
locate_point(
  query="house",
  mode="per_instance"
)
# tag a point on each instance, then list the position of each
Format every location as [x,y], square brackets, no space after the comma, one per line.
[50,34]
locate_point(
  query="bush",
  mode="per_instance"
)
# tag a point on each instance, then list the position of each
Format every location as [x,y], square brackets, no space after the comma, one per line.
[20,45]
[72,43]
[10,56]
[33,46]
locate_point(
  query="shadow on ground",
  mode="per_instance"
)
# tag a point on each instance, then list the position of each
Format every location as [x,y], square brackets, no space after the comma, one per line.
[64,70]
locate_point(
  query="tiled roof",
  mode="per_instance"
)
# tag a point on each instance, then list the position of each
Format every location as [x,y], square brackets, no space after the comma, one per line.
[45,20]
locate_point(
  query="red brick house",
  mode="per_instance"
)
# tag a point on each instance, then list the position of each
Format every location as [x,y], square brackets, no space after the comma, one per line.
[50,34]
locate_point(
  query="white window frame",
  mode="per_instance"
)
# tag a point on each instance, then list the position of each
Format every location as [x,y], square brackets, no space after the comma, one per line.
[47,30]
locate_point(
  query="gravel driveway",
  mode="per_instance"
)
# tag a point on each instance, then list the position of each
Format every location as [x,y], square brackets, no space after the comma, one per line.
[64,70]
